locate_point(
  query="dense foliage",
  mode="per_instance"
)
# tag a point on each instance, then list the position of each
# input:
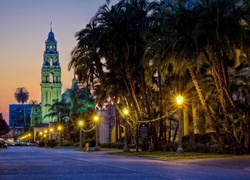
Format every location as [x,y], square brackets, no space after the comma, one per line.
[4,128]
[79,105]
[140,54]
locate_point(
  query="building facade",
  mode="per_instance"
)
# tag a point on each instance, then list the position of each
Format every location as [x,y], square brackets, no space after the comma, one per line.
[16,115]
[51,85]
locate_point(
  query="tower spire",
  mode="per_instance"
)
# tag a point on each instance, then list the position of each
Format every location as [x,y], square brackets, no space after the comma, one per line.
[51,26]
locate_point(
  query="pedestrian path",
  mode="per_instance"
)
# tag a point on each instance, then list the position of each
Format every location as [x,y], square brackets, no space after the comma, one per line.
[101,151]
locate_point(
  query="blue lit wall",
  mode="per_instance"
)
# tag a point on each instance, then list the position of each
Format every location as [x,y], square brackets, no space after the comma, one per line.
[16,114]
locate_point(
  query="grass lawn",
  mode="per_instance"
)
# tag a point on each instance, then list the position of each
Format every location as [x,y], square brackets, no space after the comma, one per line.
[102,149]
[161,155]
[170,156]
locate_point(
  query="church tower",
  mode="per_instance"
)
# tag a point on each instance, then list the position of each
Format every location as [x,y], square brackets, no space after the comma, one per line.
[51,85]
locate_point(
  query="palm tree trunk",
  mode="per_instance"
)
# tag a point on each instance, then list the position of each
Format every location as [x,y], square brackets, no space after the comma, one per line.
[219,79]
[160,99]
[201,97]
[220,75]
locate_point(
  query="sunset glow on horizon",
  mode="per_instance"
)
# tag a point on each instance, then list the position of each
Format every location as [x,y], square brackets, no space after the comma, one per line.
[24,28]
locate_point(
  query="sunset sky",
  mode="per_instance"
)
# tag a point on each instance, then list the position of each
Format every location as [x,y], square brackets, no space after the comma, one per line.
[25,25]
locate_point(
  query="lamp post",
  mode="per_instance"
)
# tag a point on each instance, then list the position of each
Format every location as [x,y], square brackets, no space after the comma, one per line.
[126,148]
[51,131]
[179,100]
[45,138]
[80,123]
[137,138]
[60,135]
[96,119]
[40,136]
[29,137]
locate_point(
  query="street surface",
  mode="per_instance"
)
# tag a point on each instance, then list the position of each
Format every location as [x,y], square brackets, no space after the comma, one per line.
[28,163]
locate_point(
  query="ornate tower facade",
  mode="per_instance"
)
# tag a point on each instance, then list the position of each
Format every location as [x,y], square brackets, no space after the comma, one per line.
[51,85]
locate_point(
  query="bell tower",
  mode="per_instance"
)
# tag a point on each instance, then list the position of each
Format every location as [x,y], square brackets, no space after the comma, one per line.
[51,85]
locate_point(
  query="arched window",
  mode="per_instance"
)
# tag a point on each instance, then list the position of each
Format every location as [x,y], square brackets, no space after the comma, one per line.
[51,77]
[51,61]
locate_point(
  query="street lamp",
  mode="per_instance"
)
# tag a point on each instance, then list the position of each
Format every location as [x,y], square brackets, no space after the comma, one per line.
[179,100]
[45,138]
[96,119]
[51,131]
[80,123]
[125,113]
[29,137]
[40,135]
[60,135]
[137,138]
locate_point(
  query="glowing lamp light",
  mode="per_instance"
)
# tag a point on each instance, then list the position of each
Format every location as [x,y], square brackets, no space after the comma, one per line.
[80,123]
[125,111]
[96,118]
[179,99]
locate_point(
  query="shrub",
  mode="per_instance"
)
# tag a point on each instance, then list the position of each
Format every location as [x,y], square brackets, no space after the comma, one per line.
[117,145]
[41,144]
[106,145]
[200,148]
[121,140]
[113,145]
[51,143]
[234,148]
[143,144]
[68,143]
[170,146]
[90,141]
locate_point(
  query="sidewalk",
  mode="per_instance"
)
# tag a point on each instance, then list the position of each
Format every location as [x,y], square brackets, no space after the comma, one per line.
[101,151]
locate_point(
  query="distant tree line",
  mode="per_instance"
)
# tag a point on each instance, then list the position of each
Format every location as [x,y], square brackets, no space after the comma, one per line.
[4,128]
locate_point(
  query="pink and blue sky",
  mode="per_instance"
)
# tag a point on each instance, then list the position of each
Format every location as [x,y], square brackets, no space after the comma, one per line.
[25,25]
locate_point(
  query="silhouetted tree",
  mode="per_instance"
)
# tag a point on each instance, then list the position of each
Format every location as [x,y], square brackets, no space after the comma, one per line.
[4,128]
[22,96]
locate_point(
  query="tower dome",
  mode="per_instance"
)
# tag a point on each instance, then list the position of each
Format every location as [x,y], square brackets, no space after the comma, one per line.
[51,36]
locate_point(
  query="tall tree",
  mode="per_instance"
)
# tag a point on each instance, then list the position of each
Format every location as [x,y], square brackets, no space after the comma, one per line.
[35,114]
[181,39]
[207,32]
[4,128]
[174,45]
[22,95]
[119,45]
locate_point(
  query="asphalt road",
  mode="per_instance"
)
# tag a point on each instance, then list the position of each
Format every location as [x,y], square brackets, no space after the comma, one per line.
[28,163]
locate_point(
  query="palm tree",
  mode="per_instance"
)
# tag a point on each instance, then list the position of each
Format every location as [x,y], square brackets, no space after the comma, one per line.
[22,95]
[239,85]
[113,41]
[224,26]
[173,45]
[209,32]
[129,20]
[55,110]
[35,114]
[81,101]
[85,59]
[82,106]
